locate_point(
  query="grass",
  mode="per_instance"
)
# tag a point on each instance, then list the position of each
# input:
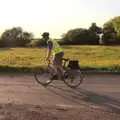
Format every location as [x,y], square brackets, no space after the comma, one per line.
[90,57]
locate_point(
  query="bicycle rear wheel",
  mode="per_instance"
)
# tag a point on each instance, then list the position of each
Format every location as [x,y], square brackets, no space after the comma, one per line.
[73,78]
[43,76]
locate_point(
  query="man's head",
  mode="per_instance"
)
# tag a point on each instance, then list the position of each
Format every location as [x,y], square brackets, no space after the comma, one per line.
[45,35]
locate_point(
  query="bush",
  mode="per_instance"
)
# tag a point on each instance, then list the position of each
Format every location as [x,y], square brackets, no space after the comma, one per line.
[2,43]
[80,37]
[37,43]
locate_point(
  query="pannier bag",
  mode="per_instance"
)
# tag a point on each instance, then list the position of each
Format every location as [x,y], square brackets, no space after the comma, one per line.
[74,64]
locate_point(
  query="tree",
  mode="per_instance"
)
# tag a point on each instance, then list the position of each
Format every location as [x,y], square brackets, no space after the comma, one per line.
[116,24]
[79,36]
[110,32]
[94,28]
[25,39]
[16,37]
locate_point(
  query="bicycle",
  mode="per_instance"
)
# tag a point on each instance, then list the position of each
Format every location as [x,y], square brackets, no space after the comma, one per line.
[71,74]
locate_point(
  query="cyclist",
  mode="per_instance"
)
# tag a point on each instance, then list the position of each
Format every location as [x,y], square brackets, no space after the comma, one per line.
[56,52]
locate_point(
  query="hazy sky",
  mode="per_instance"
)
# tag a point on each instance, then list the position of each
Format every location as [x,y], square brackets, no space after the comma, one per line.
[55,16]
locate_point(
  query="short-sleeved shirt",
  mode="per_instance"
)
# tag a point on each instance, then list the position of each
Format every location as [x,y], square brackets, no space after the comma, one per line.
[50,44]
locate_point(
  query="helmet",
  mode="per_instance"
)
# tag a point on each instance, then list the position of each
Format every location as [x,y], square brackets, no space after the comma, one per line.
[45,34]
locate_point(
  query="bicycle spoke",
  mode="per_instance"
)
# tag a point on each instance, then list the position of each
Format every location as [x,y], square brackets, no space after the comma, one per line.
[74,78]
[43,77]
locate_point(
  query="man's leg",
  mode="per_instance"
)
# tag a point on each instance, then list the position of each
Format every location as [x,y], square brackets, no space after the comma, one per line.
[58,64]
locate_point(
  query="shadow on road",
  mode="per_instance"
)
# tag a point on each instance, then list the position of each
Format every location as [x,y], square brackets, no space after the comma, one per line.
[83,97]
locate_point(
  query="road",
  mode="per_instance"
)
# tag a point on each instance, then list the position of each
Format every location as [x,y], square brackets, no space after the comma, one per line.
[99,91]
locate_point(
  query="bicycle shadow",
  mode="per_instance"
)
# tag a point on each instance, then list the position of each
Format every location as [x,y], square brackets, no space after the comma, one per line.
[83,97]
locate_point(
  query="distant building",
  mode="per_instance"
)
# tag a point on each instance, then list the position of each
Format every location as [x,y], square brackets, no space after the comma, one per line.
[100,38]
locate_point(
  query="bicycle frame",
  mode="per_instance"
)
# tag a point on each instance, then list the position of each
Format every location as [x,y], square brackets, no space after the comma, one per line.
[68,77]
[64,62]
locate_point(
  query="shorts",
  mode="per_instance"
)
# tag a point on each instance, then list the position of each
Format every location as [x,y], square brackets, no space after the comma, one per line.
[57,58]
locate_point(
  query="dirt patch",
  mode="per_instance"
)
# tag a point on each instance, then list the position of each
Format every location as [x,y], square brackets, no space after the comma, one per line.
[29,112]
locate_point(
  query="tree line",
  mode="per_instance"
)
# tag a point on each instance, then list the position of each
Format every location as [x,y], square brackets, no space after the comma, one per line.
[109,34]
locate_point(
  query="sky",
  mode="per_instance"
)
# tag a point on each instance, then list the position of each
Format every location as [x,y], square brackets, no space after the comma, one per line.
[55,16]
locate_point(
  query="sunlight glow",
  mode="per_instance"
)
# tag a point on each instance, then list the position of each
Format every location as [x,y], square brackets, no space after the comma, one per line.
[55,16]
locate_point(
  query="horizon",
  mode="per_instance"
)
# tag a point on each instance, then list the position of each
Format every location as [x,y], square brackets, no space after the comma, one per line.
[56,17]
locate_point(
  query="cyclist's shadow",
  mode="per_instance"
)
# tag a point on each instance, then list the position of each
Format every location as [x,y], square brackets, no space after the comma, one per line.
[83,97]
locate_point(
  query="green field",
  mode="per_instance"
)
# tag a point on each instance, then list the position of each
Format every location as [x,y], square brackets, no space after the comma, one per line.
[90,57]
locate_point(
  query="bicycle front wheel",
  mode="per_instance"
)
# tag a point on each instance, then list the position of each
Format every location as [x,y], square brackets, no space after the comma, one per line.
[43,76]
[73,78]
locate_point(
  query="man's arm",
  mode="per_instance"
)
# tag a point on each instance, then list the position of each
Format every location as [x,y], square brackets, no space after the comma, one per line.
[49,50]
[49,53]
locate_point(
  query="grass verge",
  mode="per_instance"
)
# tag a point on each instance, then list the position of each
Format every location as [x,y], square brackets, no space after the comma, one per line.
[91,58]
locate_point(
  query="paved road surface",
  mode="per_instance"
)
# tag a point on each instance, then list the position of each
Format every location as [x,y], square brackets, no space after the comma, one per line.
[98,93]
[24,89]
